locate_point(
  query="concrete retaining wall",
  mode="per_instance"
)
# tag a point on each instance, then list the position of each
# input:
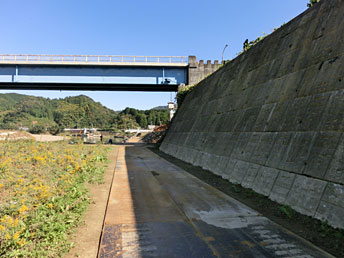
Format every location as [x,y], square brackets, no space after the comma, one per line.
[273,118]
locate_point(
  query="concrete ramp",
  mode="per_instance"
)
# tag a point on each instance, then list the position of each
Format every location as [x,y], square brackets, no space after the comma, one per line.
[272,119]
[156,209]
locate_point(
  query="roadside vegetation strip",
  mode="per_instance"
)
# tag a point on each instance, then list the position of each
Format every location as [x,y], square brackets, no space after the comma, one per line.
[43,194]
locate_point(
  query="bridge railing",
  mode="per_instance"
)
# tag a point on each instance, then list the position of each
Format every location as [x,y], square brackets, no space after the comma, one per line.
[92,59]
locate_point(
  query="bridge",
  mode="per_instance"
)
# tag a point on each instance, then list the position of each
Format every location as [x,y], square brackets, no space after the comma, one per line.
[100,72]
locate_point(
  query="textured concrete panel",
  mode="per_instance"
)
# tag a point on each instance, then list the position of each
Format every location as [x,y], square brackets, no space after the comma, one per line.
[239,171]
[277,117]
[315,110]
[207,160]
[334,119]
[282,186]
[213,162]
[334,194]
[332,205]
[305,194]
[248,120]
[335,172]
[252,144]
[221,165]
[250,176]
[331,213]
[263,117]
[295,114]
[279,149]
[231,143]
[229,168]
[263,149]
[221,144]
[265,180]
[239,149]
[321,154]
[297,153]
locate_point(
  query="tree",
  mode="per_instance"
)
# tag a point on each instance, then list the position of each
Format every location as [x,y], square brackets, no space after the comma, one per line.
[144,122]
[312,2]
[55,129]
[36,129]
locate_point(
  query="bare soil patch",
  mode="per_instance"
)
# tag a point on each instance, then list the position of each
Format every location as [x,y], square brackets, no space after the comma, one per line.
[22,135]
[47,137]
[14,135]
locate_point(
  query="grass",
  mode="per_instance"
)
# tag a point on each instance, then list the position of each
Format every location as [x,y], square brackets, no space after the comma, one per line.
[43,194]
[288,211]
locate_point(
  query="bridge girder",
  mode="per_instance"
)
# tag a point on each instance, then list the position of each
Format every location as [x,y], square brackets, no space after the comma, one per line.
[162,78]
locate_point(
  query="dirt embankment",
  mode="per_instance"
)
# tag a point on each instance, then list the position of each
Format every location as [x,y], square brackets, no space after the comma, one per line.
[12,135]
[48,138]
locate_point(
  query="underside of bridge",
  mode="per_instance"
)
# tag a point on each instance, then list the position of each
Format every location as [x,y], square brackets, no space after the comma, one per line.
[88,87]
[53,74]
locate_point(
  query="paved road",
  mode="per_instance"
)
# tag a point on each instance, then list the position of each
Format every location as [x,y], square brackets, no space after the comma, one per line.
[156,209]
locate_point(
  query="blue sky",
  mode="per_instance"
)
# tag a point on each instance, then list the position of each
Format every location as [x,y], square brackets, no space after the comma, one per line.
[136,27]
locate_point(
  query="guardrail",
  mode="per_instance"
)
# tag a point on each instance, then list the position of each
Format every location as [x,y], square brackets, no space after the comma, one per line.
[92,59]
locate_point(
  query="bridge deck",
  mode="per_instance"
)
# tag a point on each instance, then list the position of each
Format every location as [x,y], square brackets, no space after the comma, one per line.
[98,73]
[179,61]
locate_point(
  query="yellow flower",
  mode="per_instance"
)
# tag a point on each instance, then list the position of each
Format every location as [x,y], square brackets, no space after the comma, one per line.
[8,236]
[50,205]
[2,228]
[4,218]
[23,208]
[9,220]
[1,185]
[16,235]
[21,242]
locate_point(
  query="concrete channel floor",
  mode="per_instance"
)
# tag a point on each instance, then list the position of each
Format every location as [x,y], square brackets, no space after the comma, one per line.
[156,209]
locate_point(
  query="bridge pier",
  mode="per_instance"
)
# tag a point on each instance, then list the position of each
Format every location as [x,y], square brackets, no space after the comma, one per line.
[197,71]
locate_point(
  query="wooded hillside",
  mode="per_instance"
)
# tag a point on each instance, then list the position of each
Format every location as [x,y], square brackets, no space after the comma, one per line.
[18,110]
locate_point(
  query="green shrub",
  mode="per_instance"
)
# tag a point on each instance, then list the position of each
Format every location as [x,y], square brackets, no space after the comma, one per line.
[36,129]
[288,211]
[312,2]
[55,129]
[182,94]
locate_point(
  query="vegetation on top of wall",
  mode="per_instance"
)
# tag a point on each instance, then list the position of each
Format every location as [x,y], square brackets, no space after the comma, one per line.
[247,45]
[312,2]
[183,92]
[187,89]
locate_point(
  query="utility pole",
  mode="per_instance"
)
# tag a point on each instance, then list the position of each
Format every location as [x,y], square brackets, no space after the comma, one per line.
[223,52]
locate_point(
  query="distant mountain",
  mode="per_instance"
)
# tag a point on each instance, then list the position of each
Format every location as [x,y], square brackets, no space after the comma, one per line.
[17,110]
[160,108]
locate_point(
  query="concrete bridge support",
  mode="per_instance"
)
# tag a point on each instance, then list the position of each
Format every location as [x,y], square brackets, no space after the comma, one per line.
[197,71]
